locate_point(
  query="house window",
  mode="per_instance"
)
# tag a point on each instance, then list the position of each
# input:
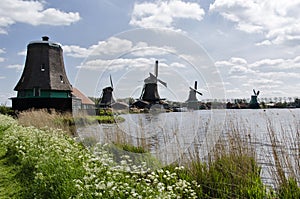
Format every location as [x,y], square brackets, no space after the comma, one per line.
[42,67]
[36,92]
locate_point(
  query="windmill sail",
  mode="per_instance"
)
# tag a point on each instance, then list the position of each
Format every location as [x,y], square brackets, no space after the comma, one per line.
[193,91]
[150,95]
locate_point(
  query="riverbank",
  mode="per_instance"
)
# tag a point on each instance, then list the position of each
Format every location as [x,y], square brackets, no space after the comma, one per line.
[47,163]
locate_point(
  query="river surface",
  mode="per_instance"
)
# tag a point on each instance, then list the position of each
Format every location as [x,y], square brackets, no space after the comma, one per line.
[172,136]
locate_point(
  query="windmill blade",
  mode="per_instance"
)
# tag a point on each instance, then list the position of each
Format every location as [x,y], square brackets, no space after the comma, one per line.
[198,92]
[254,92]
[195,91]
[152,76]
[257,93]
[162,82]
[195,87]
[111,83]
[156,68]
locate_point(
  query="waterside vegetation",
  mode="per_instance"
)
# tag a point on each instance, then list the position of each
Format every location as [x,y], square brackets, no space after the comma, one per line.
[48,163]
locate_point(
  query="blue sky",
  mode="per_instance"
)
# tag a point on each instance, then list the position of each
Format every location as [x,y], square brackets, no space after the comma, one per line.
[228,46]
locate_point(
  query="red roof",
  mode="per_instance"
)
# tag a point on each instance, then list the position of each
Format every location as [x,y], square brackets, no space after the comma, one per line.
[84,99]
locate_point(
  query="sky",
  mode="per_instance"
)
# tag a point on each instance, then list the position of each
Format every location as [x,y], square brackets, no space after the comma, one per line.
[228,46]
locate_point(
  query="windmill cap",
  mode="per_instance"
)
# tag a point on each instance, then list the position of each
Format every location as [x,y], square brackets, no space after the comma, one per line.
[45,38]
[45,41]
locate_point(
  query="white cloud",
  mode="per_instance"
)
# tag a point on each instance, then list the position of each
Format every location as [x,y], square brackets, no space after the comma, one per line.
[33,13]
[117,64]
[177,65]
[267,62]
[162,14]
[142,49]
[76,51]
[236,64]
[112,46]
[2,77]
[271,76]
[277,20]
[22,53]
[281,64]
[18,67]
[126,63]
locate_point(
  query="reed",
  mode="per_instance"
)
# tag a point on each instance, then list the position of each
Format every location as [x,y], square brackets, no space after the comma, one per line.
[51,119]
[230,169]
[285,158]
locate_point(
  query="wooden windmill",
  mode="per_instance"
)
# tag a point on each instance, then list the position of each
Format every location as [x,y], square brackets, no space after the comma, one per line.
[192,101]
[106,96]
[44,83]
[150,95]
[253,102]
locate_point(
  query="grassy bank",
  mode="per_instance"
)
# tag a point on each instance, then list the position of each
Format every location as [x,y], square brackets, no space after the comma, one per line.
[48,163]
[52,165]
[66,122]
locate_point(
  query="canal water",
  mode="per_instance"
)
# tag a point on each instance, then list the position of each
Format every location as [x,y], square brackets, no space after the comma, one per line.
[176,135]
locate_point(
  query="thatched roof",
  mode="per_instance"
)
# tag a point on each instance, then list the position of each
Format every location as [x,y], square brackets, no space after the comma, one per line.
[44,68]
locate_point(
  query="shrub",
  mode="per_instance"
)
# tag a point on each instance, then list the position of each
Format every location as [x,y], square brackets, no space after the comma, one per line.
[6,110]
[289,190]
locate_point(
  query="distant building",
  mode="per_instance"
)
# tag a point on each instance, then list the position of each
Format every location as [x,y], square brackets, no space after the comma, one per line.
[81,102]
[44,83]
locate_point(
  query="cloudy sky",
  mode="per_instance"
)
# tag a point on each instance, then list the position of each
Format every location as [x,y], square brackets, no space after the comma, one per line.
[228,46]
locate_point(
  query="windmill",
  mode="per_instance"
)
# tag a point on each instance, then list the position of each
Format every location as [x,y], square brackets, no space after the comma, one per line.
[44,83]
[106,96]
[253,102]
[192,101]
[149,95]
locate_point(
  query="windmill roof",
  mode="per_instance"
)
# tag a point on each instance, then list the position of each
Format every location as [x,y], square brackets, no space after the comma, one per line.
[44,68]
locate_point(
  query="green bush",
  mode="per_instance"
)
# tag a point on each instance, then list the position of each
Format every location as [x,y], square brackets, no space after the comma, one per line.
[6,110]
[228,177]
[289,190]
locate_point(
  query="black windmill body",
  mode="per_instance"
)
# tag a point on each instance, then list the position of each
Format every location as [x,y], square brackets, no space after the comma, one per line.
[192,101]
[150,95]
[107,96]
[253,102]
[44,83]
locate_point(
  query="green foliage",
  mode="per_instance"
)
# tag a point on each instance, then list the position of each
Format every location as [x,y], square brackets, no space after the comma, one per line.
[105,178]
[6,110]
[9,185]
[137,155]
[106,112]
[53,165]
[229,177]
[289,190]
[48,161]
[108,119]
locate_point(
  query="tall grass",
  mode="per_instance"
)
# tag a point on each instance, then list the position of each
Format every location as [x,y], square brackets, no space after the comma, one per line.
[51,119]
[285,145]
